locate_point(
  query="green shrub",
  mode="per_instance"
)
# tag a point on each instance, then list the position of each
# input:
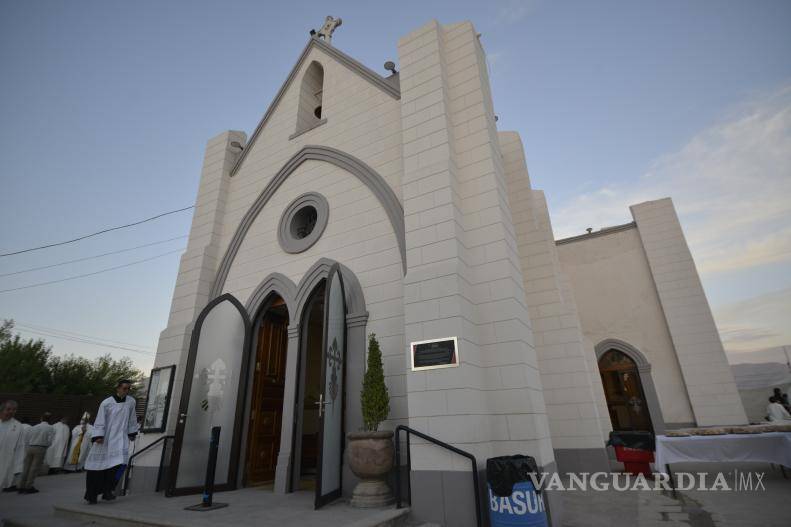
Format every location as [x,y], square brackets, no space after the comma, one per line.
[374,396]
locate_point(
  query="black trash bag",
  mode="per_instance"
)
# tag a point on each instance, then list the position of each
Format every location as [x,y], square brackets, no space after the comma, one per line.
[504,471]
[636,440]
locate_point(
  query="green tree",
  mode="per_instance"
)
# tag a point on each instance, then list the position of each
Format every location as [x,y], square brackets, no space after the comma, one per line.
[24,362]
[30,367]
[374,396]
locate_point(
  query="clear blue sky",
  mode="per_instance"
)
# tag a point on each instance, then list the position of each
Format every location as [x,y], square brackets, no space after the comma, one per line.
[105,108]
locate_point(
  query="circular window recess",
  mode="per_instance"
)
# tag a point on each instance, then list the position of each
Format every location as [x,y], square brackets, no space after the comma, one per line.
[303,222]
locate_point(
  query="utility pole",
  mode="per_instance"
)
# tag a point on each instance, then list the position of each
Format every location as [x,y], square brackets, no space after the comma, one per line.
[788,360]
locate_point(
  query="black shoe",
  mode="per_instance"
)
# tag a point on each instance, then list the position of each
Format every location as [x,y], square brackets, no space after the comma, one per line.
[91,502]
[31,490]
[108,496]
[12,488]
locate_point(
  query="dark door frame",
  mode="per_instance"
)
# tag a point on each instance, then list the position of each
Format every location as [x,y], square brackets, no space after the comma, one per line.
[321,500]
[189,370]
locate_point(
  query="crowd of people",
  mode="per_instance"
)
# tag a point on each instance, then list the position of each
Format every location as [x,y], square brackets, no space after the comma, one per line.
[101,449]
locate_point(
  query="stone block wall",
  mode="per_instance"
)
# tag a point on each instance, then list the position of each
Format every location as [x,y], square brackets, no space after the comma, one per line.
[707,374]
[573,406]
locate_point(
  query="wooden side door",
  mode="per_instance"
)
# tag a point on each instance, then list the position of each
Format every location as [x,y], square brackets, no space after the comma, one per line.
[625,401]
[266,407]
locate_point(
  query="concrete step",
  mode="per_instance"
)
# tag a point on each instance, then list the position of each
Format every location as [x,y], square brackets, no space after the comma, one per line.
[79,516]
[51,521]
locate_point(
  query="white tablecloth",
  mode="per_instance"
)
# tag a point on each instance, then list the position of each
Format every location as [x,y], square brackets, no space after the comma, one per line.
[769,447]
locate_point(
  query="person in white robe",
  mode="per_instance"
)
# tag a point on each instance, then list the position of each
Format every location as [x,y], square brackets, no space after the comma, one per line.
[80,444]
[12,446]
[20,460]
[56,453]
[776,412]
[114,427]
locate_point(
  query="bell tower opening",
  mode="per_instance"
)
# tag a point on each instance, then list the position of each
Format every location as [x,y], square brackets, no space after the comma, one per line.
[311,94]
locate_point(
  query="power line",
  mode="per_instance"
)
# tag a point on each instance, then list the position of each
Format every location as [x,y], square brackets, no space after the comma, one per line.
[86,341]
[97,232]
[36,327]
[91,274]
[91,257]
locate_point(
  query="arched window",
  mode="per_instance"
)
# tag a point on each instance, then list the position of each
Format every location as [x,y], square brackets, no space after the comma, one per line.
[310,111]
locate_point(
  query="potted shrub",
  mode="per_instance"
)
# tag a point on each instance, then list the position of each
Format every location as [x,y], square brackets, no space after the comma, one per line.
[370,452]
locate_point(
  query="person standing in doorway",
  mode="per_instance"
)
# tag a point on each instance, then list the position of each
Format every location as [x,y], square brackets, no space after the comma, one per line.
[12,445]
[39,439]
[115,426]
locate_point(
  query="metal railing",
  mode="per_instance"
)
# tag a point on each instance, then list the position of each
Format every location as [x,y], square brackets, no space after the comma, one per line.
[476,487]
[163,440]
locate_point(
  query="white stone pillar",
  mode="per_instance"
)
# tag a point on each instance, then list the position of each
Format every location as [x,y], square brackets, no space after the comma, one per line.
[463,272]
[572,403]
[712,391]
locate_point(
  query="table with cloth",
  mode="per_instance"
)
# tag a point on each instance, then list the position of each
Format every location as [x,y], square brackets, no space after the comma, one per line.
[766,447]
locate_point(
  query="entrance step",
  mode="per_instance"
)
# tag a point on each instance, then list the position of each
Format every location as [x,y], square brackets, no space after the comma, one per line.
[96,515]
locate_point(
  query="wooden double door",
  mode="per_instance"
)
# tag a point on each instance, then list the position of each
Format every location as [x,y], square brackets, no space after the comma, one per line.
[266,407]
[624,392]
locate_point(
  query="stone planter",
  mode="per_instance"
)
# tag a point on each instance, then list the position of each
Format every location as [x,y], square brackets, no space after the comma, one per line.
[370,456]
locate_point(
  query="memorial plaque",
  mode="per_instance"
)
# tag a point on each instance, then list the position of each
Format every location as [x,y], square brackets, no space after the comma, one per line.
[435,353]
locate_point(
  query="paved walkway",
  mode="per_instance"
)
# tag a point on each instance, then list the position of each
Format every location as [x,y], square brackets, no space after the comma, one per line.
[767,507]
[247,508]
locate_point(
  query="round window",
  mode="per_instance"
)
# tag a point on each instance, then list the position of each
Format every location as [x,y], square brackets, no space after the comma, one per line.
[303,222]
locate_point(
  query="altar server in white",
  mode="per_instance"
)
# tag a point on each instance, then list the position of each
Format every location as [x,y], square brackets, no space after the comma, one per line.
[56,452]
[12,446]
[115,426]
[80,444]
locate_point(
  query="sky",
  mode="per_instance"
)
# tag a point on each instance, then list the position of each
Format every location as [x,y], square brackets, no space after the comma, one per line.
[106,107]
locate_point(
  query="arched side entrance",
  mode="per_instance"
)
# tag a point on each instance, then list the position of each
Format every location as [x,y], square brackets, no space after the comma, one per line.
[628,387]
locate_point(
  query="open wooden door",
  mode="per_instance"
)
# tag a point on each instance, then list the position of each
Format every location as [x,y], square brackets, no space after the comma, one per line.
[331,401]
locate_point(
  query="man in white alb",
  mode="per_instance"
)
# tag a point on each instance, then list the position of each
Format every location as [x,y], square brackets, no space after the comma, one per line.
[56,452]
[12,445]
[115,426]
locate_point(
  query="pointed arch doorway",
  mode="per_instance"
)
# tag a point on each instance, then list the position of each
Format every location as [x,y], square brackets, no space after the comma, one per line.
[268,391]
[623,390]
[319,427]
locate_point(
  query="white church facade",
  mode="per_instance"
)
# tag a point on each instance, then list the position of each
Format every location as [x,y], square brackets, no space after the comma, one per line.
[393,205]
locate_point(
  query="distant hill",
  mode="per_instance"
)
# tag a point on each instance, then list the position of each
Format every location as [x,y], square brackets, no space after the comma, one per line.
[775,354]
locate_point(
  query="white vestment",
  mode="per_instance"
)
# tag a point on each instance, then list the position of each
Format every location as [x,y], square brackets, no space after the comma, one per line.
[83,441]
[20,459]
[115,420]
[776,412]
[56,452]
[12,444]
